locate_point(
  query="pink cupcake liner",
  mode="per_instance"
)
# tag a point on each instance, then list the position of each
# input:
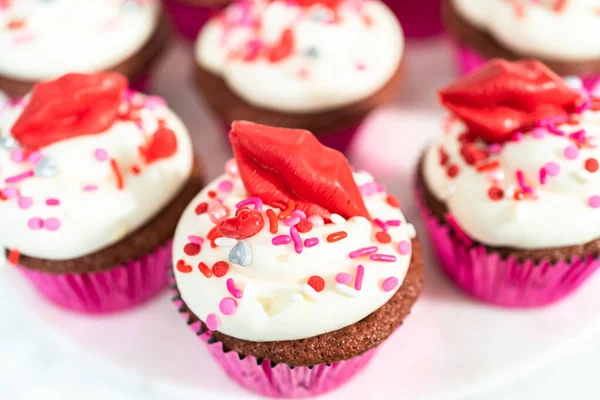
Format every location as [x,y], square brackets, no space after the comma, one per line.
[503,282]
[188,18]
[277,380]
[469,60]
[420,18]
[120,287]
[142,83]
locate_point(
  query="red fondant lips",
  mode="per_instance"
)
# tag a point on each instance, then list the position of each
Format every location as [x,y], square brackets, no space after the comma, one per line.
[70,106]
[279,165]
[504,97]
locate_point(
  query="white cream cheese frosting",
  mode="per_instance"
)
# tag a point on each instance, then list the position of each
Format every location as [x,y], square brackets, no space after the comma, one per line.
[270,298]
[335,57]
[562,30]
[46,39]
[72,205]
[541,190]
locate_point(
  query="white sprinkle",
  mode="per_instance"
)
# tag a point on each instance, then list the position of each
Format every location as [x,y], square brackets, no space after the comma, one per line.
[410,230]
[337,219]
[297,298]
[310,292]
[225,242]
[581,175]
[450,190]
[573,82]
[347,290]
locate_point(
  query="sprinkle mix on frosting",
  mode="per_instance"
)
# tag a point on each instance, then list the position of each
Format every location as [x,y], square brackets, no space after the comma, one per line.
[79,157]
[518,163]
[554,29]
[303,56]
[311,248]
[71,35]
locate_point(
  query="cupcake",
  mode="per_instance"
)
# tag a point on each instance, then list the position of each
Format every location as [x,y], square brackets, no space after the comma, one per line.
[419,19]
[94,179]
[316,65]
[189,15]
[559,33]
[511,191]
[291,267]
[41,40]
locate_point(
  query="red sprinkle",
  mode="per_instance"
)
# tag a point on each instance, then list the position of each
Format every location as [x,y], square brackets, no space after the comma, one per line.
[591,164]
[191,249]
[135,170]
[336,236]
[488,166]
[201,208]
[383,237]
[288,211]
[453,170]
[212,194]
[304,226]
[495,193]
[393,201]
[443,157]
[317,283]
[183,267]
[13,256]
[117,171]
[273,224]
[519,195]
[220,269]
[205,270]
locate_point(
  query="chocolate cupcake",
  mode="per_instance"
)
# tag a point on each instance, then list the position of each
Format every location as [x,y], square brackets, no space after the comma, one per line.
[316,65]
[291,267]
[559,33]
[511,192]
[189,15]
[41,40]
[94,179]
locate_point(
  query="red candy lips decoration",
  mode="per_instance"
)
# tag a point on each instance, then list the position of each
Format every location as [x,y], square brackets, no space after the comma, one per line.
[504,97]
[245,224]
[278,165]
[70,106]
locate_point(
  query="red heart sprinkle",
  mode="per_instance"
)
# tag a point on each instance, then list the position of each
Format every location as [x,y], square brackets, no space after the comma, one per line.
[245,224]
[163,144]
[284,48]
[183,267]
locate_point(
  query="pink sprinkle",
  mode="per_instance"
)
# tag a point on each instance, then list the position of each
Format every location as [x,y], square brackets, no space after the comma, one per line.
[90,188]
[594,201]
[521,180]
[52,224]
[383,257]
[296,239]
[25,202]
[404,247]
[360,273]
[552,168]
[292,221]
[228,306]
[34,157]
[17,155]
[301,214]
[517,136]
[101,154]
[495,148]
[390,284]
[311,242]
[343,278]
[255,201]
[9,192]
[363,252]
[153,102]
[316,221]
[52,202]
[538,133]
[35,223]
[380,224]
[369,188]
[361,66]
[225,186]
[394,222]
[20,177]
[212,322]
[543,174]
[281,239]
[578,136]
[235,292]
[195,239]
[554,130]
[571,152]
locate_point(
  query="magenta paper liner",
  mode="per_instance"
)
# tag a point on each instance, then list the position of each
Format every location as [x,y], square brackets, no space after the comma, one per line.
[339,140]
[469,60]
[277,380]
[503,282]
[419,18]
[188,18]
[116,289]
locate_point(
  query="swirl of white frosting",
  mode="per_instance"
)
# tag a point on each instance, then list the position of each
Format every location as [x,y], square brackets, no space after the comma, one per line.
[276,303]
[45,39]
[335,61]
[561,211]
[551,29]
[76,207]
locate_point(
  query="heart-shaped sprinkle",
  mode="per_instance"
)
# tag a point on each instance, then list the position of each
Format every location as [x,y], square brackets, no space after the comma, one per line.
[245,224]
[46,168]
[241,254]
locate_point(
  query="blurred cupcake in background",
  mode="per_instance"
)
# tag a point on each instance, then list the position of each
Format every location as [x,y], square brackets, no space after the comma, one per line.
[511,189]
[563,34]
[316,65]
[41,40]
[291,267]
[419,18]
[94,179]
[188,16]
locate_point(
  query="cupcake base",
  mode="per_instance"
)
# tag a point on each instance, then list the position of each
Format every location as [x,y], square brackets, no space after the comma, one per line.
[419,19]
